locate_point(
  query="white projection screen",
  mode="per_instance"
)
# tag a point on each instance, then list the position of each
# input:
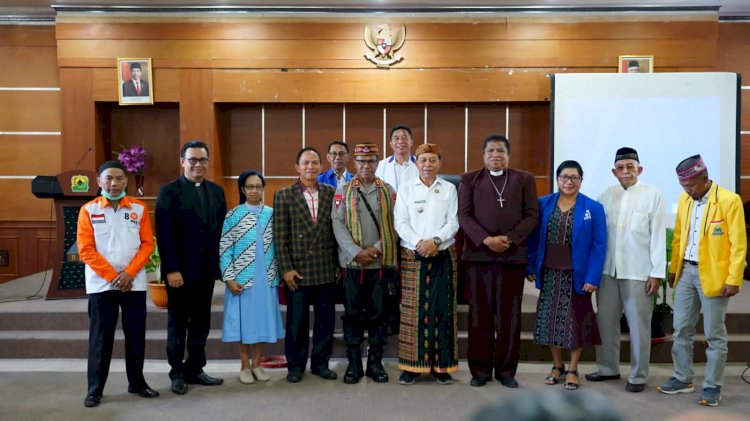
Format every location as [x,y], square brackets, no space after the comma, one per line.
[666,117]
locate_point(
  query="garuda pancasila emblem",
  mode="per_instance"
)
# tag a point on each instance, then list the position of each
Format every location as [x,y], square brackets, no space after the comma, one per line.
[384,44]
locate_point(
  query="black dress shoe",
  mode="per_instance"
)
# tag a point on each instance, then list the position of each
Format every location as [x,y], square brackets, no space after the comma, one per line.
[596,377]
[634,388]
[294,377]
[479,381]
[145,392]
[509,382]
[325,373]
[179,387]
[205,380]
[92,401]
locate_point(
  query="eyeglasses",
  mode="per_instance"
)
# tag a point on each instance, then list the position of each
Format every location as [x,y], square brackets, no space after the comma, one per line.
[252,187]
[340,154]
[193,161]
[572,178]
[366,161]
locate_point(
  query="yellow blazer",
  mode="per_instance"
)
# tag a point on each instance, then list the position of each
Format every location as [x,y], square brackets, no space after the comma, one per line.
[722,245]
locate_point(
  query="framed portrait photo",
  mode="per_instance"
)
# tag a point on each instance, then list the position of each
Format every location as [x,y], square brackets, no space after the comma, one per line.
[635,64]
[135,76]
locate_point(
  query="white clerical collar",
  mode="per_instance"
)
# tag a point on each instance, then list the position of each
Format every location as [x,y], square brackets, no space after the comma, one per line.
[497,173]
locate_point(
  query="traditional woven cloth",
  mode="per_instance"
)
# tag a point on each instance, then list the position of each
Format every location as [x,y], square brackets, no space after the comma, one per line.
[387,231]
[428,332]
[565,319]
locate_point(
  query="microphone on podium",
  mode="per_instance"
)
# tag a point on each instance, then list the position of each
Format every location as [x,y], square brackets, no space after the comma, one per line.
[85,154]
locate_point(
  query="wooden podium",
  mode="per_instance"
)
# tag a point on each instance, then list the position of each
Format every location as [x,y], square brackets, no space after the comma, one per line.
[70,190]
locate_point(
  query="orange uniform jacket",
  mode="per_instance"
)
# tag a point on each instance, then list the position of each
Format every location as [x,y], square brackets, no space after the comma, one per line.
[110,242]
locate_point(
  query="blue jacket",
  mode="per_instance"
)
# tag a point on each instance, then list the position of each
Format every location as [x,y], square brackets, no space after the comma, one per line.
[329,177]
[589,245]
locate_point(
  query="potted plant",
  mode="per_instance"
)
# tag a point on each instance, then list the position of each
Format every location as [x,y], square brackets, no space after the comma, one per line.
[156,286]
[662,309]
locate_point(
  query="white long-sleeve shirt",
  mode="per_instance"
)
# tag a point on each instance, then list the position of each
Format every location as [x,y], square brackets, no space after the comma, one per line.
[636,232]
[395,174]
[423,213]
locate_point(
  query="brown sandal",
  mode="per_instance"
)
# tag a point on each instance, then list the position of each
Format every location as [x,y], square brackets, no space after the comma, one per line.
[571,385]
[552,379]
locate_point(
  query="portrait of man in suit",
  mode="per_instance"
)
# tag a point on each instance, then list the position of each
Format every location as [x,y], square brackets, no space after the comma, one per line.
[133,76]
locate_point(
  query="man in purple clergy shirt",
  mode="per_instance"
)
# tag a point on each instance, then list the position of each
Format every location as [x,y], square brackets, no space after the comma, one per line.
[497,210]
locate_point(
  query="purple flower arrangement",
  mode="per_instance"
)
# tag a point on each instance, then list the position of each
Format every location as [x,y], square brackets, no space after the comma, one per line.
[134,159]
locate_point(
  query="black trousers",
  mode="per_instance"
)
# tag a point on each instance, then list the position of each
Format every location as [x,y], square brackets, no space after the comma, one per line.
[296,342]
[104,309]
[495,293]
[188,324]
[365,292]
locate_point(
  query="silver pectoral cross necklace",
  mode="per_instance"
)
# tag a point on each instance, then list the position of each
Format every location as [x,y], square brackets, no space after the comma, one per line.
[500,199]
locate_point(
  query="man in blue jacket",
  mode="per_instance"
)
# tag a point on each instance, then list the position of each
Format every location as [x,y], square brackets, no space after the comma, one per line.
[338,157]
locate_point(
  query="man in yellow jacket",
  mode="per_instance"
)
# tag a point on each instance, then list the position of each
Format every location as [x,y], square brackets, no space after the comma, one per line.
[708,259]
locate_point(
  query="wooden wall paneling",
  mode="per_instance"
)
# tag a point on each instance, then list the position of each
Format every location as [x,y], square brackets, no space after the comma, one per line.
[28,35]
[613,29]
[231,192]
[20,205]
[324,123]
[484,120]
[418,54]
[197,116]
[745,189]
[673,52]
[157,129]
[35,111]
[275,184]
[107,49]
[744,155]
[445,127]
[411,115]
[29,66]
[380,86]
[22,240]
[240,136]
[529,135]
[270,29]
[10,243]
[283,138]
[477,28]
[543,185]
[78,120]
[31,155]
[733,52]
[745,104]
[364,124]
[166,83]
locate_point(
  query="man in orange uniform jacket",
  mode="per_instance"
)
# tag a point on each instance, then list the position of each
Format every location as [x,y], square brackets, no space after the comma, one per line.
[115,241]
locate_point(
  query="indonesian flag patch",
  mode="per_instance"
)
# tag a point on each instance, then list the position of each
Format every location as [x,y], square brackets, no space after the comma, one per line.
[98,218]
[337,198]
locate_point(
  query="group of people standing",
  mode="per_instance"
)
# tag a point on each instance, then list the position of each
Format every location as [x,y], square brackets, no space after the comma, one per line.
[387,234]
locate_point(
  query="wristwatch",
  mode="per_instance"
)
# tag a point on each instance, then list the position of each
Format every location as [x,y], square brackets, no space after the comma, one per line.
[437,241]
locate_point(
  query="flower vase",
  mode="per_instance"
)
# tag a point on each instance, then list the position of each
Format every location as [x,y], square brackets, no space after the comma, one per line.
[140,179]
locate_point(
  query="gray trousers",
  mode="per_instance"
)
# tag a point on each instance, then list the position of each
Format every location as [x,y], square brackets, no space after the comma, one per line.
[614,297]
[688,302]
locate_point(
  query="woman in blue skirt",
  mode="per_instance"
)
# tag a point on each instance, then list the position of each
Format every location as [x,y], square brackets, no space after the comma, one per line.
[248,265]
